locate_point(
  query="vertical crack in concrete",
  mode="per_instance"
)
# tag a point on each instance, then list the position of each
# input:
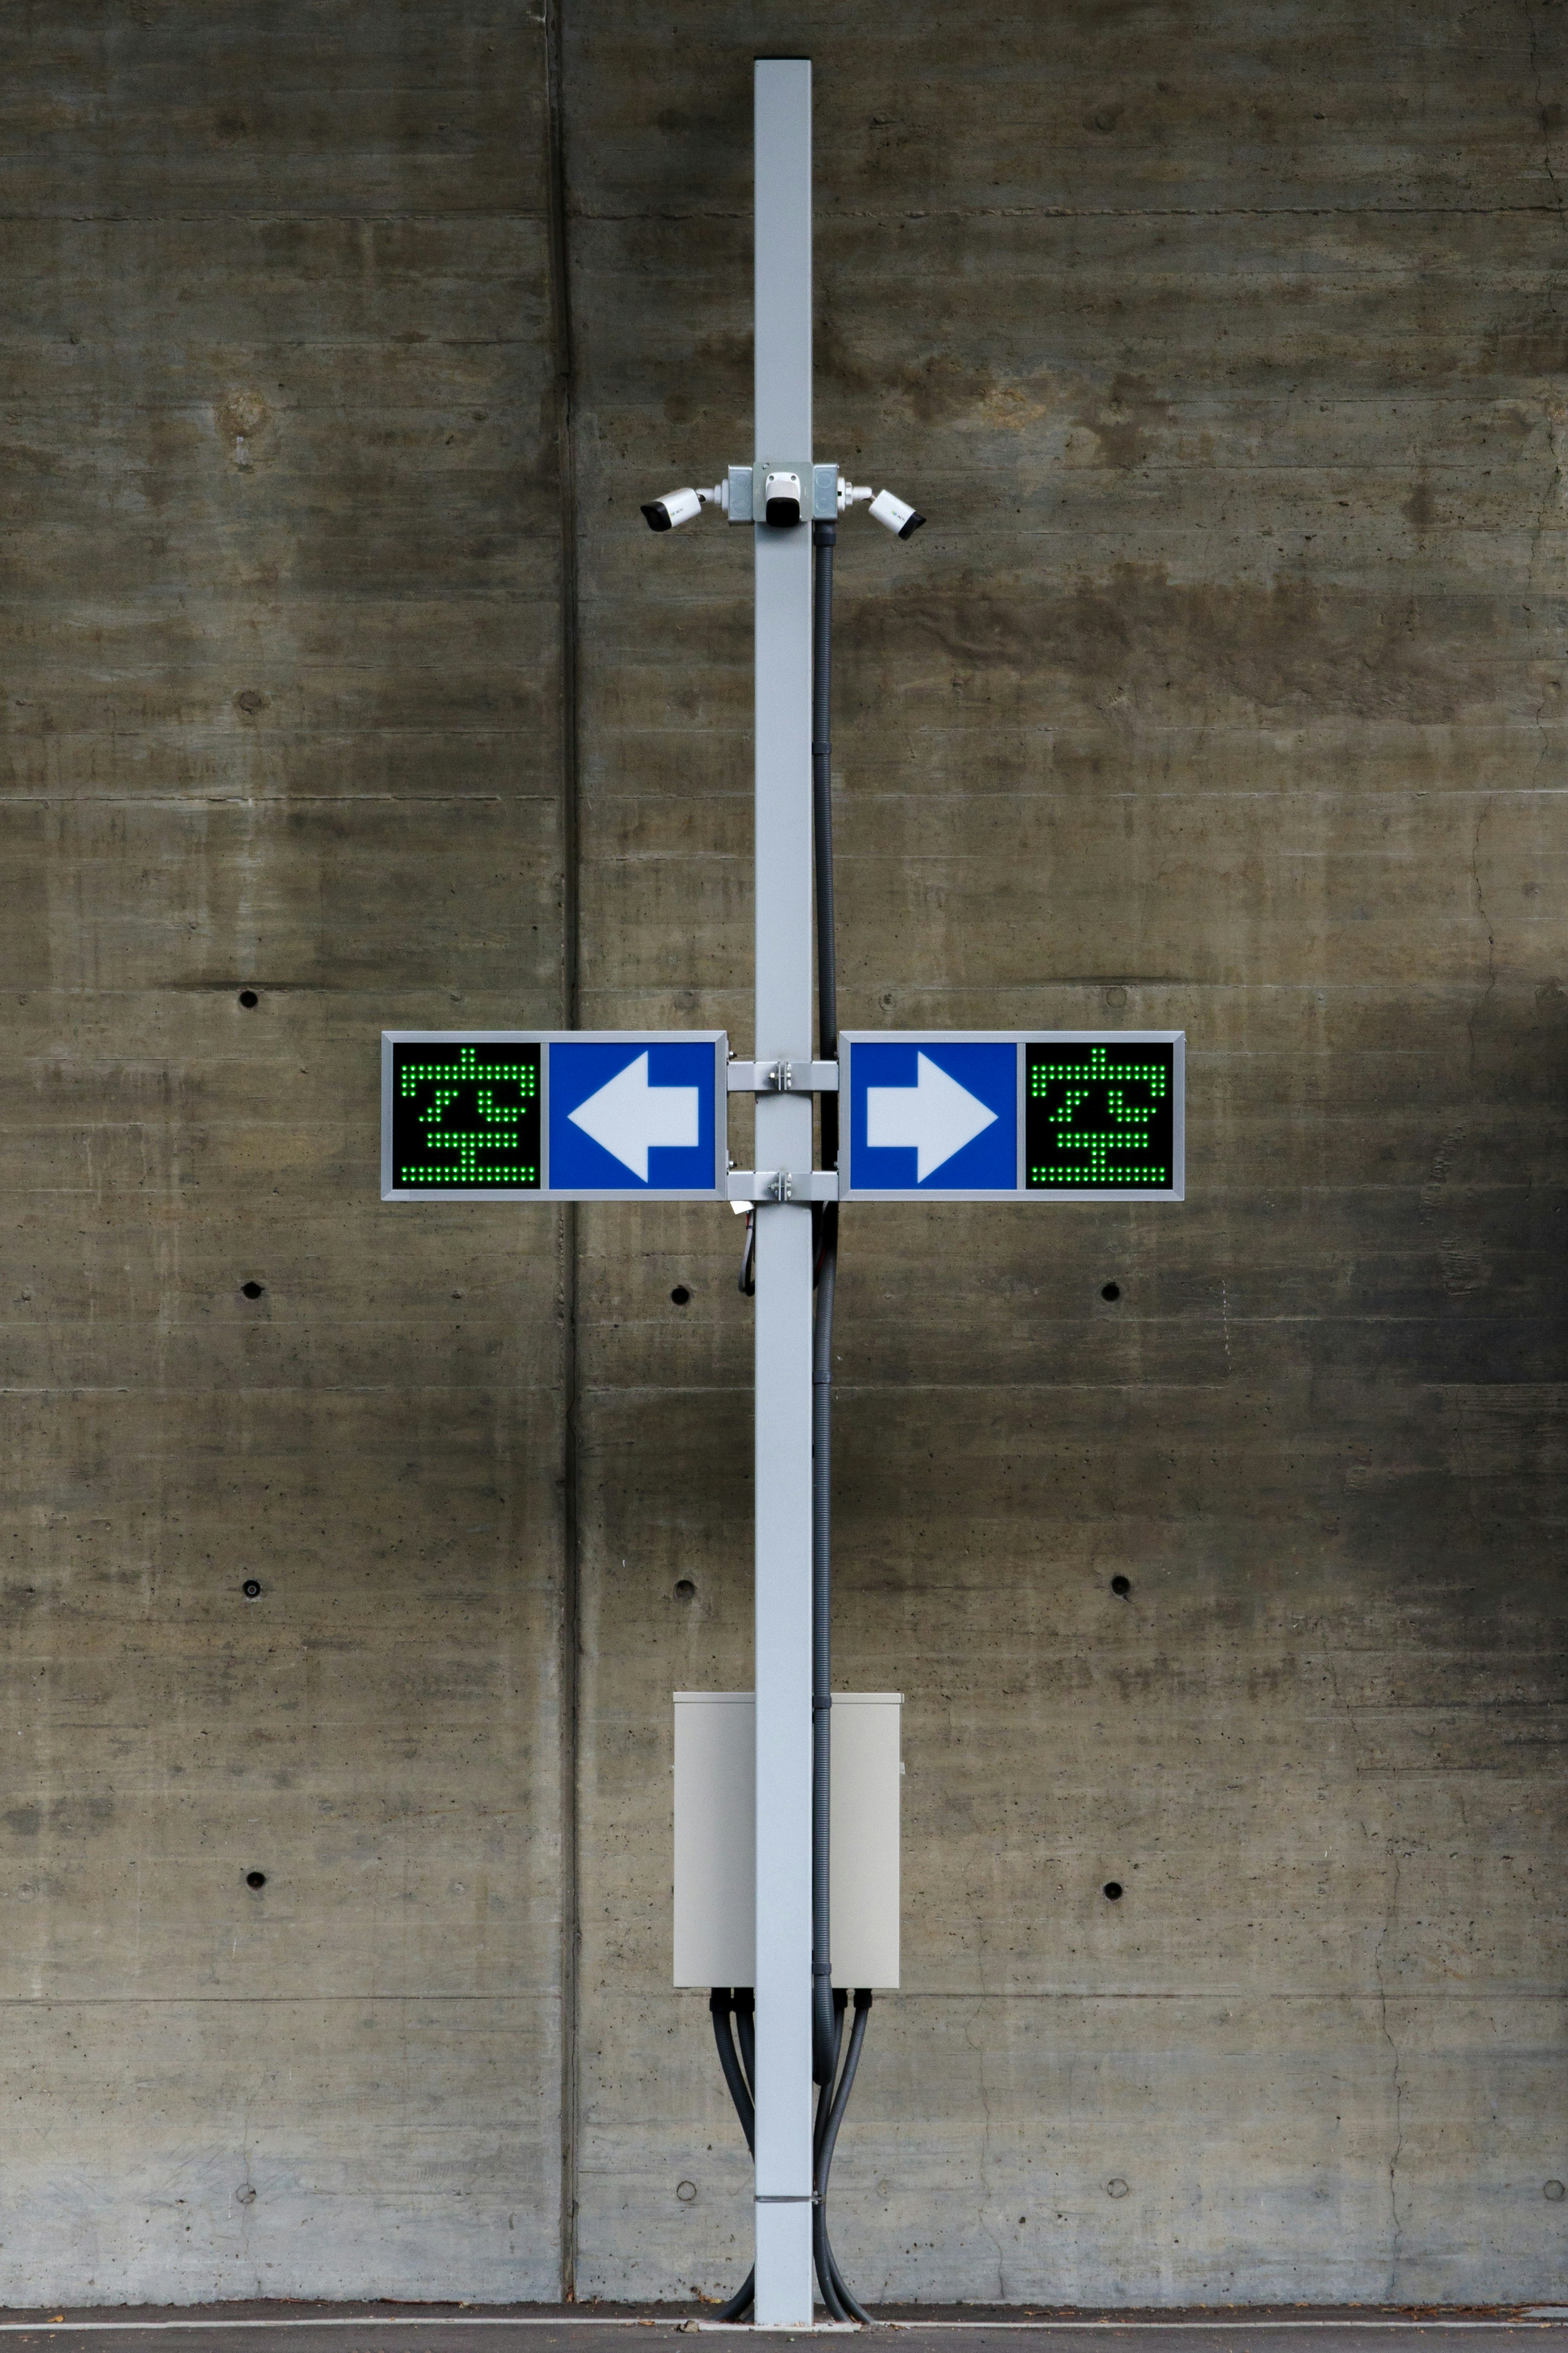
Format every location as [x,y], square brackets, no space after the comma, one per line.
[1550,496]
[978,2047]
[1556,186]
[1397,2228]
[1554,417]
[1344,1704]
[1479,1008]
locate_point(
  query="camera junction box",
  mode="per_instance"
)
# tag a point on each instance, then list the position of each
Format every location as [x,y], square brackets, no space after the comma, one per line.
[715,1839]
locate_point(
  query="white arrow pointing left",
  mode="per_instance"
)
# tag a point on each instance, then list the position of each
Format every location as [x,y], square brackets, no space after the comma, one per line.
[936,1115]
[628,1117]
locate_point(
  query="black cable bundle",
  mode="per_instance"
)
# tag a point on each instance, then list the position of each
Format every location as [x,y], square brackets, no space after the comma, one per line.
[723,2002]
[831,2102]
[733,2012]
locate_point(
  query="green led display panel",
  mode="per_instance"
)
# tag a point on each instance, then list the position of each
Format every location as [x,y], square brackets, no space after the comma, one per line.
[1098,1118]
[465,1118]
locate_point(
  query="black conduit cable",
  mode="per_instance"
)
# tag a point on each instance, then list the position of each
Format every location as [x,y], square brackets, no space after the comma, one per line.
[741,2303]
[823,2025]
[745,2029]
[823,538]
[824,2034]
[825,2161]
[721,2002]
[821,2254]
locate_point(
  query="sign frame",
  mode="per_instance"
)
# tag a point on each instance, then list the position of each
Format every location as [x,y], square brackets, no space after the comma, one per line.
[998,1196]
[544,1192]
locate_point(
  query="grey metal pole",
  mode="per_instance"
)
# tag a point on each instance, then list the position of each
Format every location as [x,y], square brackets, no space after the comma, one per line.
[783,1237]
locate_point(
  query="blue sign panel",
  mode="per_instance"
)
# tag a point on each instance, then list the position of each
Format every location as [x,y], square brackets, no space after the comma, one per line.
[635,1117]
[592,1115]
[1076,1115]
[933,1116]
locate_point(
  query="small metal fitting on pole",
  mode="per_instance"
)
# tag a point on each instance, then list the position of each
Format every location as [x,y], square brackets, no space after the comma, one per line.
[782,1077]
[794,1185]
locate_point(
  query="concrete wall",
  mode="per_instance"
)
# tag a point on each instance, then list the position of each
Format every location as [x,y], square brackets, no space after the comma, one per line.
[1225,349]
[282,623]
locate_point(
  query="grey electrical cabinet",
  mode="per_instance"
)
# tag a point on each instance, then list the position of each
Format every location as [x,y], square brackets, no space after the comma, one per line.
[715,1834]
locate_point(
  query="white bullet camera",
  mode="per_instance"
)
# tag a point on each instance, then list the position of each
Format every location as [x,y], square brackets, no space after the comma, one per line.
[781,503]
[675,508]
[891,512]
[894,515]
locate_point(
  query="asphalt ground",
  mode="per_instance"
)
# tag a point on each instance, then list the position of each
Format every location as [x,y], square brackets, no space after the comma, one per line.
[367,2328]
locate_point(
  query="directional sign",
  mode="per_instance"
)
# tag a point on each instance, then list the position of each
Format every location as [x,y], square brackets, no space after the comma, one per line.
[937,1113]
[986,1115]
[637,1115]
[580,1115]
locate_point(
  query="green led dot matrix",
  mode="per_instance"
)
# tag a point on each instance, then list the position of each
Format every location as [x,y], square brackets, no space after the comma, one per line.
[1098,1118]
[465,1118]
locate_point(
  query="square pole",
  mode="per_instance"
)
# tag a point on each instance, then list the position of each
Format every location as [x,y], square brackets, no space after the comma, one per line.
[784,1255]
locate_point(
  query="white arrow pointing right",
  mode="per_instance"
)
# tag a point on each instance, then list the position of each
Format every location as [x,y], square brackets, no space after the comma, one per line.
[936,1115]
[628,1117]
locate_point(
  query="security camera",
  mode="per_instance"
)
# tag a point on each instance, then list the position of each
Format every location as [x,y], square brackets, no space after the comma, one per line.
[676,507]
[891,512]
[894,515]
[780,498]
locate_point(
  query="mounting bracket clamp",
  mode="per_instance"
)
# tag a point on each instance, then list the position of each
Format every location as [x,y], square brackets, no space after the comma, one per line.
[801,1185]
[782,1077]
[745,484]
